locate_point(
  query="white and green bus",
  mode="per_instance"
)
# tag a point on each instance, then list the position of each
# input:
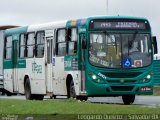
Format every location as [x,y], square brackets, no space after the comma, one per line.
[81,58]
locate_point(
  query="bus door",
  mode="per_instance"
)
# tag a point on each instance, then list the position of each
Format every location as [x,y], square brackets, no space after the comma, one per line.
[48,70]
[83,77]
[15,63]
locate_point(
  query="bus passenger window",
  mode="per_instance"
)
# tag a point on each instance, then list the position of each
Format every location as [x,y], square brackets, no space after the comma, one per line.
[30,45]
[61,42]
[40,44]
[72,41]
[8,48]
[22,45]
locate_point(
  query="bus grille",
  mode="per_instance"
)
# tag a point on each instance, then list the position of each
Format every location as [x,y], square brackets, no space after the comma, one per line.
[121,75]
[118,81]
[122,88]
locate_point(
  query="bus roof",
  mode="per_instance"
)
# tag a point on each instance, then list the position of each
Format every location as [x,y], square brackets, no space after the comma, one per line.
[82,21]
[44,26]
[17,30]
[7,26]
[60,24]
[116,17]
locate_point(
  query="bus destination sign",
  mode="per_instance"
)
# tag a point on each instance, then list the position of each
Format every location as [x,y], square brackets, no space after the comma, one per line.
[118,25]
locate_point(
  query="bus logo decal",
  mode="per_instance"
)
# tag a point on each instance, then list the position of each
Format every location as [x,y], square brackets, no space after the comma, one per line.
[36,68]
[103,76]
[67,64]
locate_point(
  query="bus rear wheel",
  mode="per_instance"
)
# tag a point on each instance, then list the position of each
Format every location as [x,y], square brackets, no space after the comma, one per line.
[38,97]
[128,99]
[8,93]
[28,94]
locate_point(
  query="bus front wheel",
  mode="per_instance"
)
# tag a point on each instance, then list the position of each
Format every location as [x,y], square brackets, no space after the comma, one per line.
[128,99]
[72,93]
[82,98]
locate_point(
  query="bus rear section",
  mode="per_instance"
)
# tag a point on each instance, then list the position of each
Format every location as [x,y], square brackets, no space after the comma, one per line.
[2,29]
[1,60]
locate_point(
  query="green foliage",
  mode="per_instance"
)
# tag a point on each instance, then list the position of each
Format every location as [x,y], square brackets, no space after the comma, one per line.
[70,108]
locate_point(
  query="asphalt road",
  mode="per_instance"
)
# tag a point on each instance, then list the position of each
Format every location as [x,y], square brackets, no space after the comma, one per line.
[148,101]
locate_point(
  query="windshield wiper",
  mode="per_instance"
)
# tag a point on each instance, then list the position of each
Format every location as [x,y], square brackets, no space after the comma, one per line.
[130,43]
[97,37]
[108,35]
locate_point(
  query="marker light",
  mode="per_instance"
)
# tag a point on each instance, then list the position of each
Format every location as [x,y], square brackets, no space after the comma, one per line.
[98,81]
[94,77]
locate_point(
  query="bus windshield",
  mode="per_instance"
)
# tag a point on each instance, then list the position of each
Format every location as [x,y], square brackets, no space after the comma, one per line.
[113,50]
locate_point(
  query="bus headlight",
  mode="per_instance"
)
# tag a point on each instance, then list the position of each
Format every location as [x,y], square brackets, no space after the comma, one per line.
[147,78]
[94,77]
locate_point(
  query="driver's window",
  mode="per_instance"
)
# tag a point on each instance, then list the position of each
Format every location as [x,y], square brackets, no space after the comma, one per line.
[135,47]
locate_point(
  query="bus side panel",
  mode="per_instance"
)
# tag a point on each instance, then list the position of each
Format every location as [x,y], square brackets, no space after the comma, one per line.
[36,71]
[21,74]
[38,87]
[8,81]
[59,77]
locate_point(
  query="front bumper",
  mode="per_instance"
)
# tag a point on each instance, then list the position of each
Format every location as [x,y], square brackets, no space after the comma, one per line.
[96,89]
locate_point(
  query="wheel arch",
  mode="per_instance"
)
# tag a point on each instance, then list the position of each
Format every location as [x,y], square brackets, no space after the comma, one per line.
[69,78]
[25,79]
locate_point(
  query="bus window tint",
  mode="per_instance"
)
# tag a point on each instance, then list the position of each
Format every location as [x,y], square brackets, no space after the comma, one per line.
[22,46]
[30,45]
[8,48]
[61,42]
[40,44]
[72,41]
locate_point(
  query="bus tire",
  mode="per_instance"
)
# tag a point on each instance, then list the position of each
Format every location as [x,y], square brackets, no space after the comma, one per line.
[53,96]
[8,93]
[2,92]
[28,94]
[82,98]
[72,93]
[128,99]
[38,97]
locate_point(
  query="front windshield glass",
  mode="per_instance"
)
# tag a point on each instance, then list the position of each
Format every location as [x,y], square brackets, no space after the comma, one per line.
[120,50]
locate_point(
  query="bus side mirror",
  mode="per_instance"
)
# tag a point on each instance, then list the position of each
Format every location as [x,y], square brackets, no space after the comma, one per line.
[155,44]
[83,44]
